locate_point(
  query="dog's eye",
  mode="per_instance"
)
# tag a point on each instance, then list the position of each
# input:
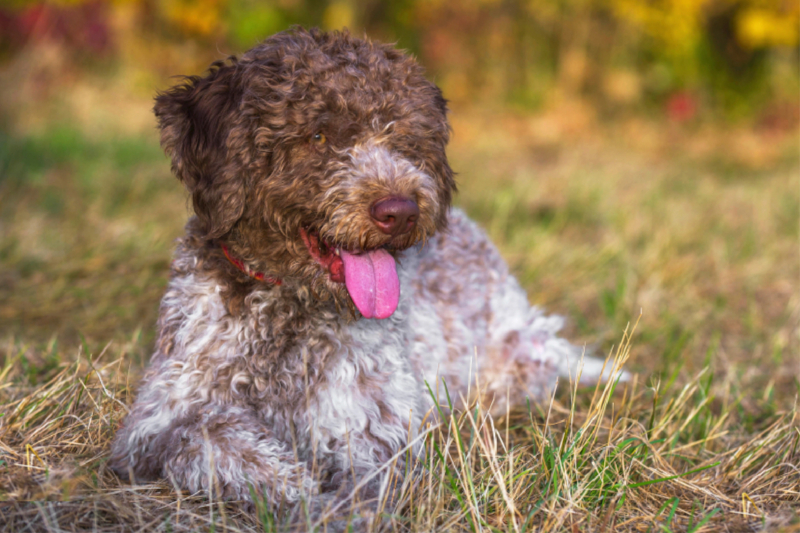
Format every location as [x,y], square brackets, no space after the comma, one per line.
[318,139]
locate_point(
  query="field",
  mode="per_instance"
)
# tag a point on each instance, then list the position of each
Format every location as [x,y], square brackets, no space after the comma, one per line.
[673,248]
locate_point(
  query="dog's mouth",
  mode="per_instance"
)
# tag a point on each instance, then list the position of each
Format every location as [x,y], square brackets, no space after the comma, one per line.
[370,276]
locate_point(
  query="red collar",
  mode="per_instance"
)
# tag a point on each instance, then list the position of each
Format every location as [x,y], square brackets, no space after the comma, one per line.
[238,263]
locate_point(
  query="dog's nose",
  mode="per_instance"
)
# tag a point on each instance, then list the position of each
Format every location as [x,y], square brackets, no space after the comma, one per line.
[395,216]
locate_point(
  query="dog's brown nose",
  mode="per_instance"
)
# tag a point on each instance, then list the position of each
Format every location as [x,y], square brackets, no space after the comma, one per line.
[395,216]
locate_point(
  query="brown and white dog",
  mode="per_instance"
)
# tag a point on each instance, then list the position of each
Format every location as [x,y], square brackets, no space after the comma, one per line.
[323,280]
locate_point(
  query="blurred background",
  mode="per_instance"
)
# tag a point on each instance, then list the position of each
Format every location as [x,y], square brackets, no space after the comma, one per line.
[628,157]
[685,59]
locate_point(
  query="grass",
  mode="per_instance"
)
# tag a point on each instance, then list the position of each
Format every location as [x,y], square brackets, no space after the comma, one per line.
[674,251]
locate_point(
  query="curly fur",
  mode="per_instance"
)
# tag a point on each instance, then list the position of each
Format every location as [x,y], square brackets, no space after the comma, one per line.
[286,388]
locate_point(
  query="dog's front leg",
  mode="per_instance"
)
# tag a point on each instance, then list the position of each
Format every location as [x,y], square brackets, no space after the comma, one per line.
[220,448]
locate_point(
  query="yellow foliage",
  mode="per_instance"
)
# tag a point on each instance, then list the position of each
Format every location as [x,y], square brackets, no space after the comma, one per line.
[338,15]
[676,24]
[757,28]
[199,17]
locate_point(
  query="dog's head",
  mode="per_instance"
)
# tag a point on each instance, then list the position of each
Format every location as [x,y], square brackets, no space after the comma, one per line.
[314,158]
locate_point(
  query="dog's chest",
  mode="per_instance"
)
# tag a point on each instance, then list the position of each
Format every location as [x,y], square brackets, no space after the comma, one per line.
[322,380]
[369,392]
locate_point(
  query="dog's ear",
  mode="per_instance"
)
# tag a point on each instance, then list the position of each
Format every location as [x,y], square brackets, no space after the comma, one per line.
[196,119]
[440,101]
[438,155]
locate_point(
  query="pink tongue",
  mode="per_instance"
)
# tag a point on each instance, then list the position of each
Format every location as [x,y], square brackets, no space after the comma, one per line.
[371,280]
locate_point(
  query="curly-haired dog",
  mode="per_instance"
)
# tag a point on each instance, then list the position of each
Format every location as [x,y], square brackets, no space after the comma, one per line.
[323,281]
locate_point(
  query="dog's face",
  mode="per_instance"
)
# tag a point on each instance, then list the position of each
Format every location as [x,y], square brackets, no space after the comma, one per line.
[315,158]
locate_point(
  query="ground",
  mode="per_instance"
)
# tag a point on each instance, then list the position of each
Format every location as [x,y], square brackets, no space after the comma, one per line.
[673,246]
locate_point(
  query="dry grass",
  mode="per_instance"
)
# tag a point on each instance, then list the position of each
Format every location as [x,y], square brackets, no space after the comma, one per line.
[600,224]
[635,459]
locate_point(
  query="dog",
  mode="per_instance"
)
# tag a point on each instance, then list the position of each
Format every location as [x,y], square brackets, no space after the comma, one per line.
[324,282]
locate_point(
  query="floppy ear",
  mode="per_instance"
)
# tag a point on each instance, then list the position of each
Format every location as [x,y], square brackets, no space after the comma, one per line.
[439,163]
[196,119]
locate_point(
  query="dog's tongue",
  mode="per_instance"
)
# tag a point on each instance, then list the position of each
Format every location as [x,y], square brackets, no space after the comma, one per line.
[371,280]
